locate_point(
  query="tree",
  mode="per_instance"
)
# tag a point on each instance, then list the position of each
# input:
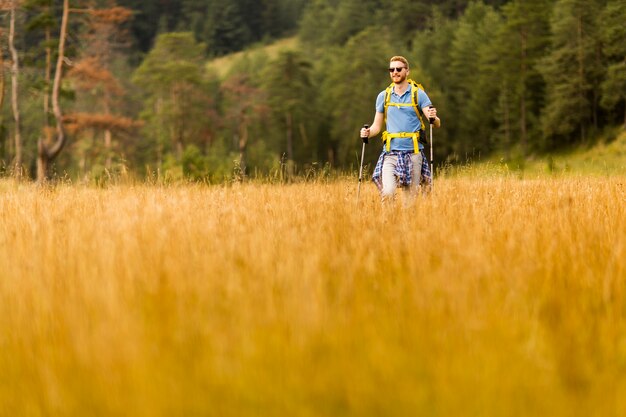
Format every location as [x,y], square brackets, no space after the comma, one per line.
[471,89]
[521,43]
[316,22]
[352,77]
[613,36]
[43,20]
[290,90]
[407,17]
[225,29]
[15,73]
[431,48]
[572,72]
[193,15]
[49,148]
[2,91]
[174,91]
[93,76]
[244,104]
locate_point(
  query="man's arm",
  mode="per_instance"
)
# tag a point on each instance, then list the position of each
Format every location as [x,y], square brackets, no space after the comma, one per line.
[377,125]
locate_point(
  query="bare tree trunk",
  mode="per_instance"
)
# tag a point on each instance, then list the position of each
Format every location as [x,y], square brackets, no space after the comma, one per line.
[289,136]
[2,137]
[46,97]
[523,128]
[158,108]
[507,124]
[243,143]
[15,71]
[107,148]
[1,81]
[107,133]
[45,154]
[581,75]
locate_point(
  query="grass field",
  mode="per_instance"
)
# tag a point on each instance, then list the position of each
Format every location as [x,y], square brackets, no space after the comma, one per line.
[496,296]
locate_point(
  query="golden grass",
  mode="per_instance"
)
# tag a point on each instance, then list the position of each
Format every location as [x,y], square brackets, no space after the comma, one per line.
[493,297]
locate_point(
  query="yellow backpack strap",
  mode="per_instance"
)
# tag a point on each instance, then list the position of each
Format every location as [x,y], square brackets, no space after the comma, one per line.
[415,101]
[388,91]
[386,139]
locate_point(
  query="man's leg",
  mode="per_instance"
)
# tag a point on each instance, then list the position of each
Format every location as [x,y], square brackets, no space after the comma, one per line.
[388,177]
[416,176]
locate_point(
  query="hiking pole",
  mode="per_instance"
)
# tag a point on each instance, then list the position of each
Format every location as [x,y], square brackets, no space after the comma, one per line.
[432,166]
[365,139]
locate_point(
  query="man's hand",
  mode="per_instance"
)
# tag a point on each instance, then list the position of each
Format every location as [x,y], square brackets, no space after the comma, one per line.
[365,132]
[431,113]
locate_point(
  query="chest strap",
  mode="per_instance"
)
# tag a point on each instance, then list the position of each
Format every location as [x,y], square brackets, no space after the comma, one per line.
[386,137]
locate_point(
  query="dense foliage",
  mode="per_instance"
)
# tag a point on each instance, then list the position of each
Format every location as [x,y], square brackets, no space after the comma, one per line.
[149,94]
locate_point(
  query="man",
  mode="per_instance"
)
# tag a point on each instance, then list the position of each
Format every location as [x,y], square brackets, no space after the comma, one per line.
[402,160]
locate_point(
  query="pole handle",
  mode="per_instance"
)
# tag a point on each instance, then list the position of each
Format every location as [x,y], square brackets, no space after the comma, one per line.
[365,139]
[431,120]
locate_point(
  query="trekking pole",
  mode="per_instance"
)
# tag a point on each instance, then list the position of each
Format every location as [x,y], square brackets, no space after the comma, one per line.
[365,139]
[432,166]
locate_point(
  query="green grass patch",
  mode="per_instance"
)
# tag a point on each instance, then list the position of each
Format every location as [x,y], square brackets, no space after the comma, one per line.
[607,157]
[222,64]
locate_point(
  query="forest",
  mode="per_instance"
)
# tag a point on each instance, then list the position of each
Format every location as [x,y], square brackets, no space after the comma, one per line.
[97,89]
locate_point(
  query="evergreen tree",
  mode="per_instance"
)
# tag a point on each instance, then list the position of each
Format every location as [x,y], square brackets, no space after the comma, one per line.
[225,29]
[143,28]
[174,87]
[316,23]
[352,78]
[521,43]
[613,36]
[193,15]
[405,17]
[333,22]
[472,93]
[572,72]
[290,94]
[431,49]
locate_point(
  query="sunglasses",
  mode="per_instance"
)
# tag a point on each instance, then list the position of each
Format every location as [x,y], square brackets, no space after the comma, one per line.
[396,69]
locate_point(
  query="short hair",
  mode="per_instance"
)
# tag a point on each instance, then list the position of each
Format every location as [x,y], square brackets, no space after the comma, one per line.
[401,59]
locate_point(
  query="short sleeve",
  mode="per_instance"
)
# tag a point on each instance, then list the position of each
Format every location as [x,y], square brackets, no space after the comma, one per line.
[422,99]
[380,102]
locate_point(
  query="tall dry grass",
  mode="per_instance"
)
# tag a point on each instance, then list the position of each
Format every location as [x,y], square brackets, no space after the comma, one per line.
[493,297]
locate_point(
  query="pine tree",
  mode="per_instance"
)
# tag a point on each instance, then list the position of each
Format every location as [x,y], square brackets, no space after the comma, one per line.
[348,105]
[522,41]
[316,23]
[173,83]
[571,71]
[193,15]
[290,92]
[225,29]
[471,91]
[613,36]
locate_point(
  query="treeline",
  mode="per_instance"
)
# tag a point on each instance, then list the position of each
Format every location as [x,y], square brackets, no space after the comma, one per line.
[139,89]
[223,26]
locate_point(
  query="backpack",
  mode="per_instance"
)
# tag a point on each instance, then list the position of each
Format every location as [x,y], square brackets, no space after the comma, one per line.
[418,137]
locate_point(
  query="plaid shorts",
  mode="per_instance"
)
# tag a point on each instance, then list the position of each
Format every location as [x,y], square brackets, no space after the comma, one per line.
[404,169]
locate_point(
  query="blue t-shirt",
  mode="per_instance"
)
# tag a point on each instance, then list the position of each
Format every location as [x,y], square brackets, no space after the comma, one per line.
[402,119]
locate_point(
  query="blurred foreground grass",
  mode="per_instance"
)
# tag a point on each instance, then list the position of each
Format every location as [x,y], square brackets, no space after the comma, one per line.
[493,297]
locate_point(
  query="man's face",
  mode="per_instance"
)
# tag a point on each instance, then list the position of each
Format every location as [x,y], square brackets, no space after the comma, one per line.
[398,77]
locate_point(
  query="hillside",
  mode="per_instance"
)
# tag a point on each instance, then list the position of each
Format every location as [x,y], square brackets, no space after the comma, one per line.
[222,64]
[606,158]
